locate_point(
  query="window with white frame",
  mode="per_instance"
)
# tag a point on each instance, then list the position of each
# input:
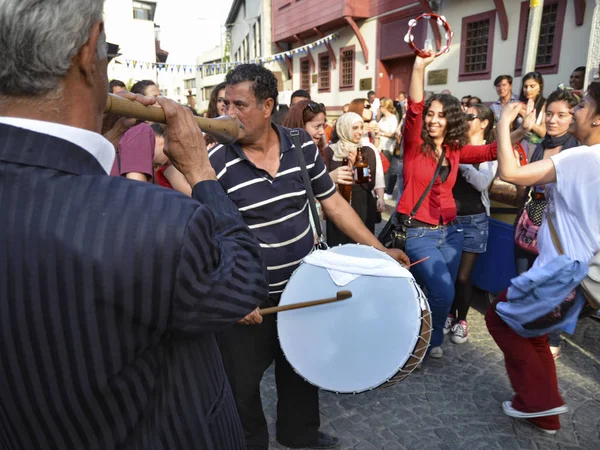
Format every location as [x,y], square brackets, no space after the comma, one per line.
[324,73]
[143,10]
[347,56]
[305,74]
[257,39]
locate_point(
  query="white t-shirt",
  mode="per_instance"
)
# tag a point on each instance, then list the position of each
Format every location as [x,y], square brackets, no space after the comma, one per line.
[574,205]
[388,125]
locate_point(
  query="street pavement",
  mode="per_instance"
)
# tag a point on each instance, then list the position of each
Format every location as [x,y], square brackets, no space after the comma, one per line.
[455,402]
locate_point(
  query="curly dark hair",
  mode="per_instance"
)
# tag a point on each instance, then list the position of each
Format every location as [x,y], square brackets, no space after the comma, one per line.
[264,83]
[594,91]
[563,95]
[212,103]
[456,124]
[484,112]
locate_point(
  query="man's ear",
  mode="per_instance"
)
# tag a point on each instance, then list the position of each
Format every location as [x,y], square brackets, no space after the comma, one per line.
[87,57]
[268,106]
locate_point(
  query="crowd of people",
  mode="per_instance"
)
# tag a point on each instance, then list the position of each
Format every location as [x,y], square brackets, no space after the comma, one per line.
[402,141]
[131,302]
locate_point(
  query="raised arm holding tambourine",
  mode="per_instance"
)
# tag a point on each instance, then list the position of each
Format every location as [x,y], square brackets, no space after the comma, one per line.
[435,143]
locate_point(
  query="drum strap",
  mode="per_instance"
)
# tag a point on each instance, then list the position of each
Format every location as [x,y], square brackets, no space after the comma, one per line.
[295,135]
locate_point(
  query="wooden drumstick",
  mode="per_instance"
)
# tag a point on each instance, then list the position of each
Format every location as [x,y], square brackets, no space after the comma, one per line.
[341,295]
[419,261]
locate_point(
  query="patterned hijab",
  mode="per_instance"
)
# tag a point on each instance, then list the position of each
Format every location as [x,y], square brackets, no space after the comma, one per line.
[343,128]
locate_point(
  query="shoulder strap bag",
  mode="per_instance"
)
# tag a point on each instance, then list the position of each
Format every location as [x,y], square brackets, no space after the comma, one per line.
[393,234]
[590,286]
[295,136]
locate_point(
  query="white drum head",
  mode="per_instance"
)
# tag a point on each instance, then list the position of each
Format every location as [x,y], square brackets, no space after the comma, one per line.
[356,344]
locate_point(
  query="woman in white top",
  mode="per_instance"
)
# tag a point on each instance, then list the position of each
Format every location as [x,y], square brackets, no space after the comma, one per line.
[573,195]
[363,108]
[388,125]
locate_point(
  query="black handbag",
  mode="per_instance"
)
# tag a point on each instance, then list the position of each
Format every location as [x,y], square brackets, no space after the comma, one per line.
[393,234]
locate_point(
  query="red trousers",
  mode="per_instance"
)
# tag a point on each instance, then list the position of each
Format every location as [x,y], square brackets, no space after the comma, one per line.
[530,367]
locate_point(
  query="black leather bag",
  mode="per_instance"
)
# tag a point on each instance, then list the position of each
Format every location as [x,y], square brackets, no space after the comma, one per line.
[393,234]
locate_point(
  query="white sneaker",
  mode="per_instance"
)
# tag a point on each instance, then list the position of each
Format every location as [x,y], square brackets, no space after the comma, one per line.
[388,197]
[449,323]
[508,409]
[436,352]
[460,332]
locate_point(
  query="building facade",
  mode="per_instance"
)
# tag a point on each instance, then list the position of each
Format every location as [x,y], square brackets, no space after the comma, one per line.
[211,74]
[130,25]
[490,38]
[369,52]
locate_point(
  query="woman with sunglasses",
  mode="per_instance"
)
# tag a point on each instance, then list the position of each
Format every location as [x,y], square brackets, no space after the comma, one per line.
[474,101]
[464,103]
[340,156]
[473,208]
[435,132]
[558,118]
[573,195]
[532,97]
[311,116]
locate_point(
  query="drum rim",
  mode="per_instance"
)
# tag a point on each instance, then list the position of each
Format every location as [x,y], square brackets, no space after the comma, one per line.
[423,307]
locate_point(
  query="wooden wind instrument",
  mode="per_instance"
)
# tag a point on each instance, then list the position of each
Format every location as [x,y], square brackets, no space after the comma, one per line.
[224,130]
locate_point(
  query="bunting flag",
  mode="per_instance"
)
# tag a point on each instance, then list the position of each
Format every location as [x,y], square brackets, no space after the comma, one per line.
[217,68]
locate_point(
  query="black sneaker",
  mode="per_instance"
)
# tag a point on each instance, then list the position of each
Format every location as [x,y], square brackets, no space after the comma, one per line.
[325,441]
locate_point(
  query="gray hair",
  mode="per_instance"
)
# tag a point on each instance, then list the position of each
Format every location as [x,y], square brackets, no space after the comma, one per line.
[39,40]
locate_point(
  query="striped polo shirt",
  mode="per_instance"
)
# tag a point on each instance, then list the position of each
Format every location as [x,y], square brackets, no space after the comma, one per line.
[275,209]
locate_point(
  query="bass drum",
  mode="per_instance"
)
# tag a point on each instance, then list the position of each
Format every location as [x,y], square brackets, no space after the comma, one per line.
[375,338]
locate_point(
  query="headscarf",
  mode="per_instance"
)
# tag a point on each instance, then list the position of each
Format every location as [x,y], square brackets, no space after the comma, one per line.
[343,128]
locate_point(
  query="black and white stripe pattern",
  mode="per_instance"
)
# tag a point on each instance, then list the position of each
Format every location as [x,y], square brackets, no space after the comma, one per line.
[275,208]
[110,291]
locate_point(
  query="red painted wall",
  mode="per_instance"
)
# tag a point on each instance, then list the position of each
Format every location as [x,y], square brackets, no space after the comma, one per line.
[292,17]
[297,16]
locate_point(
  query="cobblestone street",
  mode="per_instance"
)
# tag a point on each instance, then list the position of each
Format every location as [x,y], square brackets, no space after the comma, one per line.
[455,402]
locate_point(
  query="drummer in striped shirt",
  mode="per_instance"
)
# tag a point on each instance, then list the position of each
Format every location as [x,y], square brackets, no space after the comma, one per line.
[261,175]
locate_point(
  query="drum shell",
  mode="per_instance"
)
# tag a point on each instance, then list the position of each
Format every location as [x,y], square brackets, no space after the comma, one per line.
[376,338]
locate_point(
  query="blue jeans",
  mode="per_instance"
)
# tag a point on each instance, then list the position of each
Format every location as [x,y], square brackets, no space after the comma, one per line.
[438,273]
[391,177]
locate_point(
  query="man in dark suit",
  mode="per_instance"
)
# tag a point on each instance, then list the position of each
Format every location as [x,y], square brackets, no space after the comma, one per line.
[110,289]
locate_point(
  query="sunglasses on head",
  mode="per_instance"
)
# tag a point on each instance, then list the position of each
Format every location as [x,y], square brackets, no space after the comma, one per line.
[472,117]
[316,107]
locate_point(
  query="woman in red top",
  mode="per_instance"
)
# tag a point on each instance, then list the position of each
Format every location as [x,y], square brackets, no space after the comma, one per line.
[434,231]
[164,173]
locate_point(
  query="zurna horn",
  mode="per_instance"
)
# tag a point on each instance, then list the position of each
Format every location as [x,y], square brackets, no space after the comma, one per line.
[224,130]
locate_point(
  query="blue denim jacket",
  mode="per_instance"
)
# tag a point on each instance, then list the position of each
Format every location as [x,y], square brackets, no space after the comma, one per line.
[539,291]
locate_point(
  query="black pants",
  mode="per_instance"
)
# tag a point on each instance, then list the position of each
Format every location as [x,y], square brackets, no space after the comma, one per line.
[247,351]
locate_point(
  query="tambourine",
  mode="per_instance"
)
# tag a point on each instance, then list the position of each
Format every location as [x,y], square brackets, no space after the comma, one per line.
[441,20]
